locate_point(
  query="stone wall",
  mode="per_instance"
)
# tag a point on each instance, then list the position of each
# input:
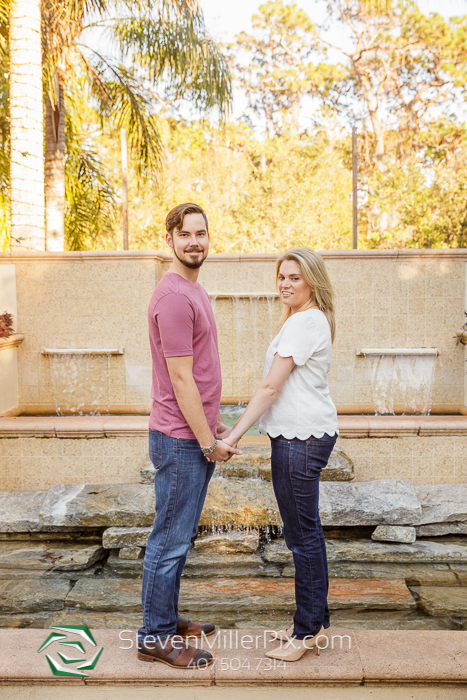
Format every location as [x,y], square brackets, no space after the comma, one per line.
[99,300]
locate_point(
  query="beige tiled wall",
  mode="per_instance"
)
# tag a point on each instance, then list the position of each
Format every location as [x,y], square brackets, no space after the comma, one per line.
[397,303]
[383,300]
[99,304]
[421,460]
[39,463]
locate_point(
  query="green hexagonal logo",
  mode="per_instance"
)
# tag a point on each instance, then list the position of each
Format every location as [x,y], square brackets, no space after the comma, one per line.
[72,651]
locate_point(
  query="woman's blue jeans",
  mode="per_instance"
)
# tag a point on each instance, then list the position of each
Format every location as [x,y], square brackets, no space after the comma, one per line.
[181,481]
[296,468]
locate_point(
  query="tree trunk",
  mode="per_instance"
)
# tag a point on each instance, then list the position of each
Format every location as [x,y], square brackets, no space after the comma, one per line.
[26,127]
[55,151]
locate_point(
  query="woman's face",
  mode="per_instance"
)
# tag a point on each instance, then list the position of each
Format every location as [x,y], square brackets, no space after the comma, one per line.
[293,289]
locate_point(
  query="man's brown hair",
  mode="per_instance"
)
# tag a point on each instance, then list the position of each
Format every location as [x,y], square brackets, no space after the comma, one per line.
[176,215]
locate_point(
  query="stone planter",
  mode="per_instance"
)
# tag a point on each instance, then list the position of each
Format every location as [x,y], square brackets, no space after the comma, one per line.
[9,372]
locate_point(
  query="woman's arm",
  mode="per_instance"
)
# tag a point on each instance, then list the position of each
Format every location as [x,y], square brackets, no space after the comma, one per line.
[264,396]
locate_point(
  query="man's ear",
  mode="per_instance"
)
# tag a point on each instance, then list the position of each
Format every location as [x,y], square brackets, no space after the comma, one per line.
[169,241]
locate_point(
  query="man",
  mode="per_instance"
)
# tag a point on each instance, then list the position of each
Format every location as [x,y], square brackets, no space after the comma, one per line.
[184,422]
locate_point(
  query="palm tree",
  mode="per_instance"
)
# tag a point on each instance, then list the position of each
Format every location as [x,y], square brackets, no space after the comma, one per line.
[156,52]
[26,121]
[148,43]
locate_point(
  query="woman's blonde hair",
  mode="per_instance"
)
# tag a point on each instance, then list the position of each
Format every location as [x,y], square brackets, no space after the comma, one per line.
[315,275]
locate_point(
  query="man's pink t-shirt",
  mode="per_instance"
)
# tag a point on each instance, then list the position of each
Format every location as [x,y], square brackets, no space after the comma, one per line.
[181,322]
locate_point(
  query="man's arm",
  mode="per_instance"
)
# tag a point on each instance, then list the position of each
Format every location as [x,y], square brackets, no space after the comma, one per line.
[189,401]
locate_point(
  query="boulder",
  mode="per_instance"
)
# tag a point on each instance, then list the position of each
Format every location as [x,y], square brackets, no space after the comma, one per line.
[126,568]
[131,553]
[370,551]
[96,620]
[147,473]
[278,553]
[394,533]
[98,505]
[33,595]
[36,620]
[209,564]
[231,542]
[440,529]
[237,595]
[370,594]
[413,574]
[384,502]
[460,572]
[19,510]
[255,462]
[251,502]
[106,595]
[245,502]
[339,468]
[47,574]
[48,555]
[442,602]
[367,550]
[230,501]
[240,564]
[442,503]
[385,620]
[117,537]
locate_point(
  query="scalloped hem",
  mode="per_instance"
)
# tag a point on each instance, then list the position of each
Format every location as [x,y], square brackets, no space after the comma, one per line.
[318,435]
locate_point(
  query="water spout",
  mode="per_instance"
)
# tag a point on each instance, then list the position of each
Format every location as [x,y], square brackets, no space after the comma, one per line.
[402,379]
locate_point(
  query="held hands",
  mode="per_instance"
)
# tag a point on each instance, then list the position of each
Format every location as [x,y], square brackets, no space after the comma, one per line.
[223,431]
[223,452]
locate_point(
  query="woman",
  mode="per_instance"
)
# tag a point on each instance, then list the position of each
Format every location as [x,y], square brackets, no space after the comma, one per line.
[298,415]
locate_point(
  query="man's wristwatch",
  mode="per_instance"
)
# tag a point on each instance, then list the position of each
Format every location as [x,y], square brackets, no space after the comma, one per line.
[209,450]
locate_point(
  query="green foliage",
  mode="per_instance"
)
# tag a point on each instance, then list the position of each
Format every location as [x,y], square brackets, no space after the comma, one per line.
[301,198]
[90,198]
[274,64]
[165,41]
[260,196]
[401,78]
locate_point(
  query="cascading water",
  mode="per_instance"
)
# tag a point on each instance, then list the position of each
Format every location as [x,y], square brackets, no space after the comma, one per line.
[401,380]
[213,298]
[79,381]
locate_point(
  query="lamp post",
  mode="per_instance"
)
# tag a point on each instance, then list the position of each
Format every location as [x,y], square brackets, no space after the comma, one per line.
[354,189]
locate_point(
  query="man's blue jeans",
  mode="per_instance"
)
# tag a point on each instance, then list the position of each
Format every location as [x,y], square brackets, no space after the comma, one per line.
[181,481]
[296,467]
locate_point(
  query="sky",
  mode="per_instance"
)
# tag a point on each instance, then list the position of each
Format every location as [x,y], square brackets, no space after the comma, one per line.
[225,18]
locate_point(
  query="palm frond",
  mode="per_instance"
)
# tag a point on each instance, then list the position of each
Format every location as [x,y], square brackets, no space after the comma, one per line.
[180,53]
[121,97]
[90,199]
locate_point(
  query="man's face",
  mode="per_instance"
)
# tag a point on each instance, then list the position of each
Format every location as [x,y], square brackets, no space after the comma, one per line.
[190,244]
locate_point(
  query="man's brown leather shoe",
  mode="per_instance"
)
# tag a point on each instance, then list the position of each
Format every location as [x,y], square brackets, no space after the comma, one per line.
[190,628]
[175,652]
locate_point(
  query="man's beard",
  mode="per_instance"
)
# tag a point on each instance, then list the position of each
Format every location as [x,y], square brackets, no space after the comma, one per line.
[191,265]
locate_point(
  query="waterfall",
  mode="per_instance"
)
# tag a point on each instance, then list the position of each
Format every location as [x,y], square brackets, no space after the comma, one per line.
[80,381]
[401,380]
